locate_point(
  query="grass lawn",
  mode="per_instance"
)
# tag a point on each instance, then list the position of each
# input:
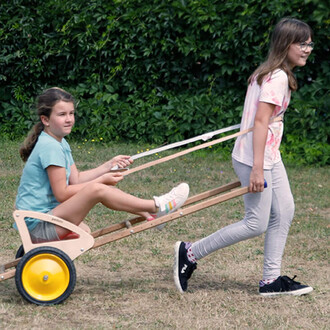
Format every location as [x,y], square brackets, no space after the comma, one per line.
[128,283]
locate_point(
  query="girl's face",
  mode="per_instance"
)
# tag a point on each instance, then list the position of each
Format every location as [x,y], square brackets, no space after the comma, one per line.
[61,120]
[298,53]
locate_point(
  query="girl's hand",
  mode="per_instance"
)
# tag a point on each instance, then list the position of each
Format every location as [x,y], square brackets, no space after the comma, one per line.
[111,178]
[121,161]
[256,180]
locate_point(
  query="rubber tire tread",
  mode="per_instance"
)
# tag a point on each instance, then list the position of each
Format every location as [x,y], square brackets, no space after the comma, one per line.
[20,252]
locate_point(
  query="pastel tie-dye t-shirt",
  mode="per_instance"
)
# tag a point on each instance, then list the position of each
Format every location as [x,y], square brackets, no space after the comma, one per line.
[274,90]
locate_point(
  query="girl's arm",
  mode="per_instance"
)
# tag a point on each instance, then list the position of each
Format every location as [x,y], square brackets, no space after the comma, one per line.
[62,191]
[260,132]
[77,177]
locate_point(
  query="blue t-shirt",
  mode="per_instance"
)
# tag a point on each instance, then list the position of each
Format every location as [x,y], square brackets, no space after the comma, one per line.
[35,192]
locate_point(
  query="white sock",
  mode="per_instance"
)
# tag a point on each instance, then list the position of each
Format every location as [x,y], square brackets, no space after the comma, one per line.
[267,281]
[156,201]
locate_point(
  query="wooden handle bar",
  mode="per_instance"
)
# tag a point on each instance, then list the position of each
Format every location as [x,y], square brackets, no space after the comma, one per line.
[201,146]
[184,152]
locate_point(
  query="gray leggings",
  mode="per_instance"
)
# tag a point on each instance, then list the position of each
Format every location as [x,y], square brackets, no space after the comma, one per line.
[270,211]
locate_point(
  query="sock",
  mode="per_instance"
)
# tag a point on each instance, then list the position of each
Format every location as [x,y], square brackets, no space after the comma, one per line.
[156,201]
[190,255]
[267,281]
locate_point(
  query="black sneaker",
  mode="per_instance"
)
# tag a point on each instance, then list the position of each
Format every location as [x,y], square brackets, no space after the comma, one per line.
[284,285]
[182,268]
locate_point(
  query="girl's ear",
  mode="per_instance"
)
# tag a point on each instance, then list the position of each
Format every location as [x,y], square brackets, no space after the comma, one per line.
[45,120]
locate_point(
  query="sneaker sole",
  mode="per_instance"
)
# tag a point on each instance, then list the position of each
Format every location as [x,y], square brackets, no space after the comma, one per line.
[288,293]
[176,266]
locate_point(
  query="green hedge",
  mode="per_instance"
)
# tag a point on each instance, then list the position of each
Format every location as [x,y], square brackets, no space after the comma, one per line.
[154,71]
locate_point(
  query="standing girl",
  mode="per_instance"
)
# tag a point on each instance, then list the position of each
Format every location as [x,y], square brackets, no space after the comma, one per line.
[51,182]
[256,157]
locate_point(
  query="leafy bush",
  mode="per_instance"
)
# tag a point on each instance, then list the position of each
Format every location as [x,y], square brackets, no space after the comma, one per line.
[152,71]
[299,150]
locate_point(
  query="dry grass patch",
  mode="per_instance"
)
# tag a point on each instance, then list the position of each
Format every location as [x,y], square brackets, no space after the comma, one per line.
[128,284]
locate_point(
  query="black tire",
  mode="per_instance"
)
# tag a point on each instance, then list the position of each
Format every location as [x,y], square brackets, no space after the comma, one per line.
[45,276]
[20,252]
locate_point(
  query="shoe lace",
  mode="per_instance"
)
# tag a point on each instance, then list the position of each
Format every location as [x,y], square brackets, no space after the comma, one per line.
[290,281]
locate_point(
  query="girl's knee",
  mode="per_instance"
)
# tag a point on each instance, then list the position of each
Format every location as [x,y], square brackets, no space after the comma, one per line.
[290,211]
[261,229]
[287,209]
[257,226]
[95,190]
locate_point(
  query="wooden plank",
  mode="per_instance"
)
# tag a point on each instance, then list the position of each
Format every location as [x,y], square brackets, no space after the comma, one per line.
[11,264]
[115,227]
[8,274]
[211,193]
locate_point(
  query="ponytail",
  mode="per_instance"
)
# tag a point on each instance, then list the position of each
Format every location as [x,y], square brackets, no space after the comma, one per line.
[30,141]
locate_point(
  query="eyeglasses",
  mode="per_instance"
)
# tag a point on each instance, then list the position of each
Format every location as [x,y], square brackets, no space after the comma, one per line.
[305,45]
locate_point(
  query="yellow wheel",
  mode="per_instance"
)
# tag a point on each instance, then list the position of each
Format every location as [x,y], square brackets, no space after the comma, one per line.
[45,276]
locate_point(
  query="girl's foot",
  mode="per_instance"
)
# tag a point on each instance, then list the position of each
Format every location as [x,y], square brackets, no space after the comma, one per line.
[284,285]
[182,268]
[171,201]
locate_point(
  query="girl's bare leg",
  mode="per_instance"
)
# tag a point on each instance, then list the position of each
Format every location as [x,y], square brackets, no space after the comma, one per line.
[76,208]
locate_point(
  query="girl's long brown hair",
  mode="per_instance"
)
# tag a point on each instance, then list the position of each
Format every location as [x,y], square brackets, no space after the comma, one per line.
[45,104]
[286,32]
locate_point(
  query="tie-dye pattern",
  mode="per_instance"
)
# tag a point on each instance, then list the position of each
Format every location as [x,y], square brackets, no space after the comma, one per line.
[274,90]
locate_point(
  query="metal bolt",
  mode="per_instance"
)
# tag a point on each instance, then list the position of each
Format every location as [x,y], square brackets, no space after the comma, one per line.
[82,249]
[2,277]
[132,231]
[181,213]
[45,277]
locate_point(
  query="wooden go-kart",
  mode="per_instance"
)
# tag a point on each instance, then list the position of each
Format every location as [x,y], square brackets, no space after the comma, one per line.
[45,273]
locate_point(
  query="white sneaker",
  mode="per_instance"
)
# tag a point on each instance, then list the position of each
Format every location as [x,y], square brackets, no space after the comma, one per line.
[172,201]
